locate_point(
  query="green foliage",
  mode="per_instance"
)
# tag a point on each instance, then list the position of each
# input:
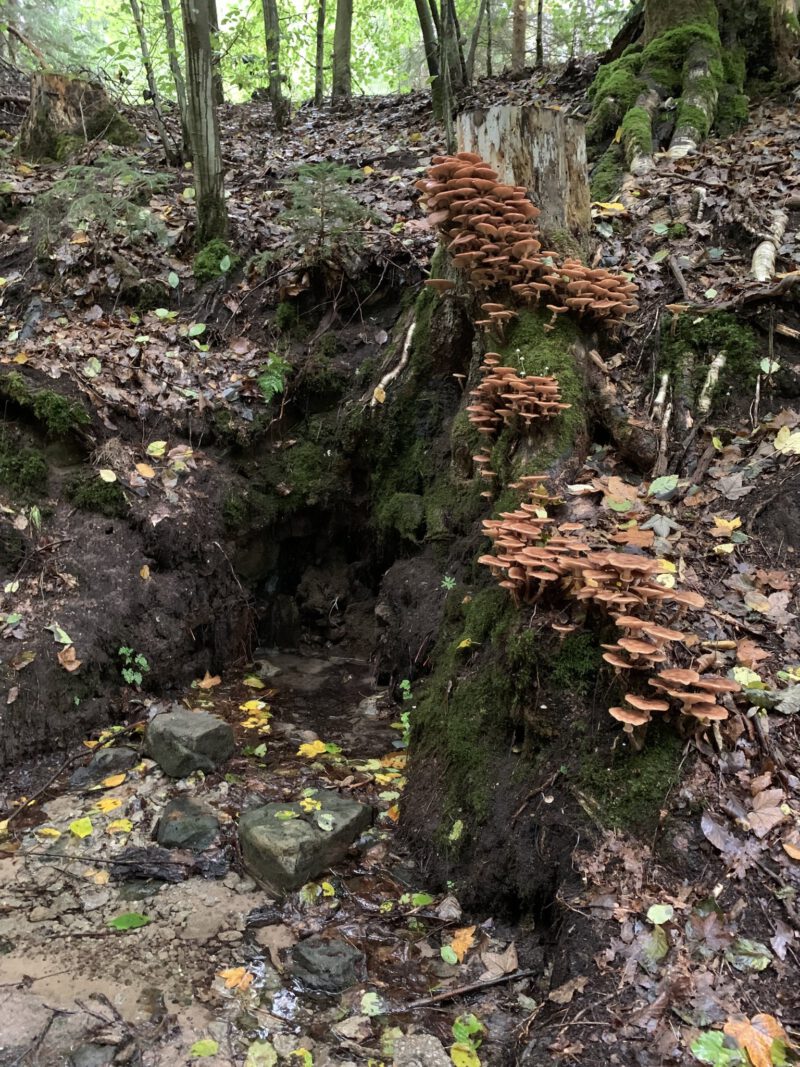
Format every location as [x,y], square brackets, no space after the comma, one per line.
[214,260]
[272,376]
[23,471]
[702,338]
[286,316]
[134,666]
[326,220]
[607,174]
[55,412]
[109,197]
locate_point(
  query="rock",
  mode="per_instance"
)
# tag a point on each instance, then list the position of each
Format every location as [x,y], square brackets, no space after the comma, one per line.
[186,823]
[284,853]
[420,1050]
[91,1055]
[104,762]
[184,741]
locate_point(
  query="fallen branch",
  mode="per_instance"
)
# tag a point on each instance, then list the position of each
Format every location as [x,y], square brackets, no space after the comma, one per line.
[473,987]
[763,265]
[398,370]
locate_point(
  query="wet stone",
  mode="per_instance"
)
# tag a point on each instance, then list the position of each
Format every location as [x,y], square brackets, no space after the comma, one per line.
[103,763]
[185,741]
[326,965]
[420,1050]
[284,851]
[186,823]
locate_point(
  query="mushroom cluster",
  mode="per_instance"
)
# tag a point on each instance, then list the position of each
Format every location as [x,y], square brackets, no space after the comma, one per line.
[492,234]
[504,395]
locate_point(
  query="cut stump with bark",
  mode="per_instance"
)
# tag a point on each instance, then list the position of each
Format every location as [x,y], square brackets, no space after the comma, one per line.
[540,148]
[65,113]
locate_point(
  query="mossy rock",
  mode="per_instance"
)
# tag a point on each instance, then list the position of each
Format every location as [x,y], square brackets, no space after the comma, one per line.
[90,493]
[57,414]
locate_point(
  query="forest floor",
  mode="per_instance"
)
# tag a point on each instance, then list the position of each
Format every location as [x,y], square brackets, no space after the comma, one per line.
[674,938]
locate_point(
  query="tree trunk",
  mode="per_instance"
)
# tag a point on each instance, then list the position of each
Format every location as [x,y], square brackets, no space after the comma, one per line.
[319,59]
[540,34]
[786,34]
[212,214]
[518,31]
[155,99]
[342,88]
[539,148]
[461,80]
[473,45]
[177,73]
[489,70]
[431,47]
[213,24]
[272,37]
[451,61]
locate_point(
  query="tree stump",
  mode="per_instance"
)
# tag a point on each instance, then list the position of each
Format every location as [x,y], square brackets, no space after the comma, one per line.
[65,113]
[540,148]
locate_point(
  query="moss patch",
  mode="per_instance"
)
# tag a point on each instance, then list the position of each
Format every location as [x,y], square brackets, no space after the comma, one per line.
[90,493]
[699,340]
[606,179]
[55,412]
[23,471]
[206,264]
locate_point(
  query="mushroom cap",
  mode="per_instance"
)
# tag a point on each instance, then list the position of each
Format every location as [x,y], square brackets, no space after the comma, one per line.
[662,633]
[646,703]
[715,684]
[679,675]
[712,712]
[629,716]
[687,598]
[616,661]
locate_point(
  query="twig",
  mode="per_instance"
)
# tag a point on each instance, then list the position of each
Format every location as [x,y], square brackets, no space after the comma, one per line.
[679,278]
[474,987]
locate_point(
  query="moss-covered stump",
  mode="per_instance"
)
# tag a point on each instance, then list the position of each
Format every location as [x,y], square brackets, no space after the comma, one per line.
[66,112]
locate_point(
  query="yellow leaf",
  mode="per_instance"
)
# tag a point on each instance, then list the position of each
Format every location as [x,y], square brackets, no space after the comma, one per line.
[379,393]
[787,443]
[68,660]
[393,812]
[464,1055]
[208,681]
[309,804]
[236,978]
[311,749]
[252,705]
[727,525]
[113,780]
[107,475]
[462,941]
[119,826]
[327,889]
[756,1037]
[618,135]
[667,580]
[666,566]
[613,206]
[98,877]
[81,827]
[3,828]
[144,572]
[21,357]
[725,549]
[79,238]
[156,448]
[369,170]
[253,683]
[466,643]
[47,831]
[397,760]
[145,470]
[107,804]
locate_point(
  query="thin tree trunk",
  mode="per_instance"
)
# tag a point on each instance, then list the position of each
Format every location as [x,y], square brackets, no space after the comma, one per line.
[272,36]
[342,87]
[212,214]
[445,66]
[437,18]
[489,70]
[540,34]
[518,32]
[460,76]
[177,73]
[213,23]
[155,99]
[473,44]
[431,46]
[319,61]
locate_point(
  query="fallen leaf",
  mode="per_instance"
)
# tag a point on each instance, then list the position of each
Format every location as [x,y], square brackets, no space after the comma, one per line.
[144,572]
[113,780]
[253,683]
[564,993]
[107,475]
[462,941]
[68,659]
[787,443]
[238,978]
[756,1037]
[81,827]
[145,470]
[107,804]
[208,681]
[131,920]
[499,963]
[156,448]
[261,1054]
[766,813]
[311,749]
[379,394]
[119,826]
[749,654]
[206,1046]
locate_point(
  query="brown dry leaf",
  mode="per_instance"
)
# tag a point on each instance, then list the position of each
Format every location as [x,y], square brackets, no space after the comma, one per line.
[98,877]
[499,963]
[749,654]
[273,939]
[791,845]
[636,537]
[68,659]
[208,681]
[113,780]
[756,1036]
[462,941]
[565,992]
[236,978]
[145,470]
[144,572]
[766,813]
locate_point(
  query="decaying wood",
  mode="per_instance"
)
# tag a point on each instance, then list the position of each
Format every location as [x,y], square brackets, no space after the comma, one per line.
[763,266]
[540,148]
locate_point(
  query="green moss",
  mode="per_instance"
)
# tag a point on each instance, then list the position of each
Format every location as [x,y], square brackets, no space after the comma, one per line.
[23,471]
[91,493]
[698,340]
[606,179]
[55,412]
[112,127]
[732,110]
[637,133]
[625,789]
[694,118]
[403,514]
[614,89]
[677,230]
[321,378]
[286,316]
[206,264]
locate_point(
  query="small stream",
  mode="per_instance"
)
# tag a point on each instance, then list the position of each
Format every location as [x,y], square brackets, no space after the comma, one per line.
[212,961]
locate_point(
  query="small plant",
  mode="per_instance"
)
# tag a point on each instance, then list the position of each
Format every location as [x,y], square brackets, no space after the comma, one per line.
[325,219]
[272,376]
[134,665]
[405,689]
[448,583]
[404,722]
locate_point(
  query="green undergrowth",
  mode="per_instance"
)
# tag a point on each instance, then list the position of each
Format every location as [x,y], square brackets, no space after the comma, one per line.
[90,493]
[690,344]
[23,470]
[56,413]
[213,260]
[607,174]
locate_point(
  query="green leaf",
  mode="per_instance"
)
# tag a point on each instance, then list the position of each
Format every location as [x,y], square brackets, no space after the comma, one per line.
[659,914]
[206,1046]
[61,636]
[188,193]
[165,315]
[81,827]
[421,900]
[660,228]
[284,816]
[156,448]
[710,294]
[448,955]
[371,1005]
[665,484]
[464,1056]
[261,1054]
[619,505]
[456,832]
[173,279]
[324,821]
[92,367]
[769,366]
[660,255]
[225,264]
[656,945]
[196,329]
[747,955]
[465,1026]
[130,920]
[711,1048]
